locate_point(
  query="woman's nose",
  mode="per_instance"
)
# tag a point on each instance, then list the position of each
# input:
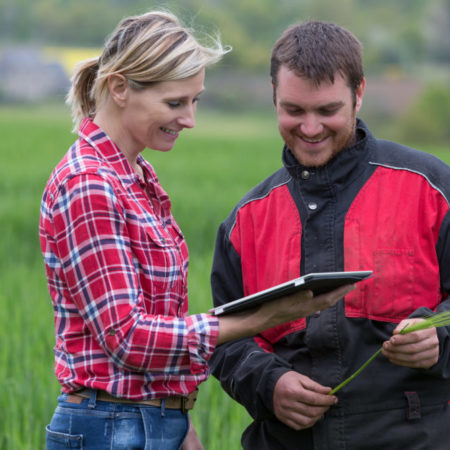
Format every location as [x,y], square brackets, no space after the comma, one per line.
[187,120]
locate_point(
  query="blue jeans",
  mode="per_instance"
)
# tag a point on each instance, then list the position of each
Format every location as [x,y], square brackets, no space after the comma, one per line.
[98,425]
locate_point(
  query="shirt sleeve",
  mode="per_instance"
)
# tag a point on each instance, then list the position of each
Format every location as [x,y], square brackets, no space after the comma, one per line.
[91,241]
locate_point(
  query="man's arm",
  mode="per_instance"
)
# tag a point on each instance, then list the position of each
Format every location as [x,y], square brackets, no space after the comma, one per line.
[427,349]
[246,371]
[249,373]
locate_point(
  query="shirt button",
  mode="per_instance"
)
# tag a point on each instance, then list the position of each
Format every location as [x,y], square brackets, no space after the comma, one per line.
[312,206]
[306,174]
[112,332]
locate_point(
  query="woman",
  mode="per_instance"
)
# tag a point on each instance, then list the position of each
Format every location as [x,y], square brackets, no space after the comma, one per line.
[127,355]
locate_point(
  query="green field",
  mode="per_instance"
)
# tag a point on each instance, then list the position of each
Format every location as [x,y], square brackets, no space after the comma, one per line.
[209,170]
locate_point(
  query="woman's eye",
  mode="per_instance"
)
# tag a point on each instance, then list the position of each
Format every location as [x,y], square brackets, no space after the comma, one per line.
[174,104]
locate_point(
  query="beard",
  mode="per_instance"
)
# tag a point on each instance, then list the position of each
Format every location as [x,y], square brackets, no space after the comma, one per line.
[340,140]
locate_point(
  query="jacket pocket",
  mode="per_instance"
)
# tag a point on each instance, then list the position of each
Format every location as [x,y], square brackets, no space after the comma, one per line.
[389,294]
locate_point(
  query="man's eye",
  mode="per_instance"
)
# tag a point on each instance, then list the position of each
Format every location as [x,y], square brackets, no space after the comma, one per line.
[328,112]
[174,104]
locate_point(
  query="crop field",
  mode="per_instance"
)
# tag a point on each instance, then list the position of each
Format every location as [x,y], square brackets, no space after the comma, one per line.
[207,172]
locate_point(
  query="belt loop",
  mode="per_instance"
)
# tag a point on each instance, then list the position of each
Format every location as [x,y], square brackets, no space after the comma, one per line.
[413,410]
[163,407]
[92,398]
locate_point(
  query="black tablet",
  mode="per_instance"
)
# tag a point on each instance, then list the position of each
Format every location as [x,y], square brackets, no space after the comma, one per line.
[319,283]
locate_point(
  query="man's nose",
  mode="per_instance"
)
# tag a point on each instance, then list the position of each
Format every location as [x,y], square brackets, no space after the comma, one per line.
[311,125]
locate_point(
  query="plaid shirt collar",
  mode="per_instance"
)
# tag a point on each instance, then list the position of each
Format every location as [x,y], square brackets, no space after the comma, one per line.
[108,150]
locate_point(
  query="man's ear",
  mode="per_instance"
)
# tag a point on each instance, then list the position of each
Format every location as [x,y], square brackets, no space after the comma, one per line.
[359,95]
[118,89]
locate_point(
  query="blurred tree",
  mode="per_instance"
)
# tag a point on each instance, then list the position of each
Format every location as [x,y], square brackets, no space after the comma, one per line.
[438,31]
[427,120]
[16,20]
[403,32]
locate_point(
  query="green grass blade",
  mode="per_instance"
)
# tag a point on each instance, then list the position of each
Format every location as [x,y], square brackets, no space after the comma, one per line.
[350,378]
[435,321]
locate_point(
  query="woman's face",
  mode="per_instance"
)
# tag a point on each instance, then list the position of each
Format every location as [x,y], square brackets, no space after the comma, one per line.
[153,117]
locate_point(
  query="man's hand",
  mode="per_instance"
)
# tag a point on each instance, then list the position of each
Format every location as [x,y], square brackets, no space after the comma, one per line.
[192,442]
[418,349]
[300,402]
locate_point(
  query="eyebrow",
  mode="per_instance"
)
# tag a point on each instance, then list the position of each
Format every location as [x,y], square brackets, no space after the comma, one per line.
[331,105]
[183,97]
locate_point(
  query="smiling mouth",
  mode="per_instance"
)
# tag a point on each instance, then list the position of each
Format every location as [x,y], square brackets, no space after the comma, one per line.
[166,130]
[312,141]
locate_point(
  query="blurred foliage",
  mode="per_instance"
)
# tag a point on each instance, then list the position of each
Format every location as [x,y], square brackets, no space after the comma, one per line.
[428,119]
[397,32]
[407,39]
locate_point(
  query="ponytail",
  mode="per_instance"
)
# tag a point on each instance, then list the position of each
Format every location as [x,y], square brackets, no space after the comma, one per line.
[80,96]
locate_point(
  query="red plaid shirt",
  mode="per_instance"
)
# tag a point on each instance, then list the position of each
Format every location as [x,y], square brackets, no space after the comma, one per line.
[116,264]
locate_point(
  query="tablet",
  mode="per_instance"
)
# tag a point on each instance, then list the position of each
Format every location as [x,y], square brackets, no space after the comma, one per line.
[319,283]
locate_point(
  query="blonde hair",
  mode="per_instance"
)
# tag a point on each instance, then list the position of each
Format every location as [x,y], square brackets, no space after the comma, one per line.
[145,49]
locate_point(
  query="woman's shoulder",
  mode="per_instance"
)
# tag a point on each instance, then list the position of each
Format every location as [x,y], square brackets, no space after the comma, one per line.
[81,162]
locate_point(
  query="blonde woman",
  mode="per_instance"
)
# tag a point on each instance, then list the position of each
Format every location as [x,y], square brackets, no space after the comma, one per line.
[127,355]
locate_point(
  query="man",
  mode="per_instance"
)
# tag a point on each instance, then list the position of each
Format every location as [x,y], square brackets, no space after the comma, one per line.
[343,201]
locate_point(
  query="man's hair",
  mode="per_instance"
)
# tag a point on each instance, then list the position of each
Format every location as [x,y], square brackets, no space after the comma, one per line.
[317,51]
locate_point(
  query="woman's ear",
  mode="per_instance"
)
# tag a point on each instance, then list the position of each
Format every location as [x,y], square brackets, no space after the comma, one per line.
[118,89]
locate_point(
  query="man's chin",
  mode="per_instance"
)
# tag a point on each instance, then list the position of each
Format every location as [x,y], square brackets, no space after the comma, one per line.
[316,161]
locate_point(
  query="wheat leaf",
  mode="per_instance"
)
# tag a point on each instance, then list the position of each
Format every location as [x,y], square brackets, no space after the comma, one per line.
[435,321]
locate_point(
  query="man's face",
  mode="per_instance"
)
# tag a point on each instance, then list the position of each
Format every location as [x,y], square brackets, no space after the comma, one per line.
[316,122]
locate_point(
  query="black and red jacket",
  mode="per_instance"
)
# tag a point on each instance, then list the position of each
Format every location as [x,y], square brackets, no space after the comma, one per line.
[376,206]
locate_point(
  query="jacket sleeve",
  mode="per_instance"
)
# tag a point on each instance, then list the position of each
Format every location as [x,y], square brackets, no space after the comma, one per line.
[246,371]
[442,368]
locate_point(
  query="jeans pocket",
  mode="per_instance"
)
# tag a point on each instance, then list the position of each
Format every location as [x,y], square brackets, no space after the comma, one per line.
[59,441]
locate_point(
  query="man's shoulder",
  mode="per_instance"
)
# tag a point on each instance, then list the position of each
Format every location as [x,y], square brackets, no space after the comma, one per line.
[401,157]
[263,189]
[260,192]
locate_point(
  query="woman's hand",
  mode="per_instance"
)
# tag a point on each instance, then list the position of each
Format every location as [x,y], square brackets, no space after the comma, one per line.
[191,442]
[276,312]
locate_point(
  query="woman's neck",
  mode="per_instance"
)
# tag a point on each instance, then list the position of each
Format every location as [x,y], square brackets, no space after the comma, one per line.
[111,124]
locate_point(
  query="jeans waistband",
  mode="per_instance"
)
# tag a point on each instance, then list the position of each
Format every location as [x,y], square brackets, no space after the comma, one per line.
[185,404]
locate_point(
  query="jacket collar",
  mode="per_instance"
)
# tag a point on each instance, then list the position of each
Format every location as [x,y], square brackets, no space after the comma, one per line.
[339,168]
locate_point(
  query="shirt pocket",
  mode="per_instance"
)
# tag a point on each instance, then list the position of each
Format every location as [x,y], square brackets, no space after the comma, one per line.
[162,271]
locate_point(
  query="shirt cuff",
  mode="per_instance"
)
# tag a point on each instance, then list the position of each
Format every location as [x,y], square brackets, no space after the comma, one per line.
[202,336]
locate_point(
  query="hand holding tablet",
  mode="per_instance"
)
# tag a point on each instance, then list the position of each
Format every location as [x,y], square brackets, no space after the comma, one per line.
[318,283]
